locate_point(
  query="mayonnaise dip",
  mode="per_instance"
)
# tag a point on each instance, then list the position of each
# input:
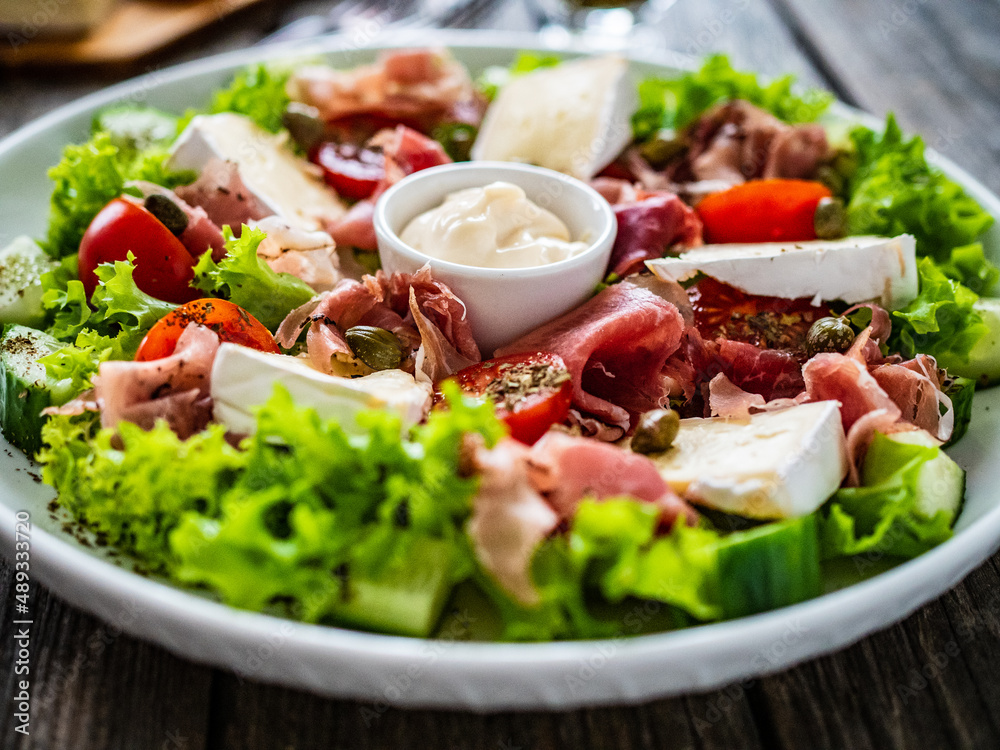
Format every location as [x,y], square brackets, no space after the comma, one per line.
[491,227]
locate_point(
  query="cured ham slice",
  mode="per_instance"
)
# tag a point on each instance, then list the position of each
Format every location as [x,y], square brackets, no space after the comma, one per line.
[916,388]
[614,346]
[220,191]
[509,518]
[567,469]
[174,388]
[648,227]
[737,141]
[421,87]
[769,372]
[387,302]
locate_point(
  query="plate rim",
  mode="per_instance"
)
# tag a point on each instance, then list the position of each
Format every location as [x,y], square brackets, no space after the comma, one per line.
[91,583]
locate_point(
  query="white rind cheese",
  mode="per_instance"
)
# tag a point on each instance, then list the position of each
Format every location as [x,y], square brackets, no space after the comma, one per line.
[854,269]
[573,118]
[243,378]
[281,181]
[778,464]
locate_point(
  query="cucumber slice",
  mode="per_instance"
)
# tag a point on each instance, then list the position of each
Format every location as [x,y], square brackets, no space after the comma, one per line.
[940,482]
[984,359]
[22,264]
[133,128]
[401,600]
[25,387]
[770,566]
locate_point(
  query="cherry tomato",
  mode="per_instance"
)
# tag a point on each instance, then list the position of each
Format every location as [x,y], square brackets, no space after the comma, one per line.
[354,172]
[163,266]
[763,211]
[231,322]
[766,322]
[531,391]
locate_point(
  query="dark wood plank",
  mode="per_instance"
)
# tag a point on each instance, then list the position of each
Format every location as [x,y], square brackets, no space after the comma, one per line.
[94,687]
[935,65]
[918,684]
[249,716]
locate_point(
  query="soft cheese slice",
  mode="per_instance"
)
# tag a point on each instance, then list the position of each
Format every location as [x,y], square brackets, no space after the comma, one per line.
[778,464]
[573,118]
[243,378]
[280,180]
[854,269]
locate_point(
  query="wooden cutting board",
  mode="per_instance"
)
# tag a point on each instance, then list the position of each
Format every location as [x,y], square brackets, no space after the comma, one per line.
[135,28]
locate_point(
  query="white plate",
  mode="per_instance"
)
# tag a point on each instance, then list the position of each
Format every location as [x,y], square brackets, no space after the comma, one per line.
[448,673]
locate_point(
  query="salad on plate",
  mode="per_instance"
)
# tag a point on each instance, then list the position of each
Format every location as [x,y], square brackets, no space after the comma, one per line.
[222,383]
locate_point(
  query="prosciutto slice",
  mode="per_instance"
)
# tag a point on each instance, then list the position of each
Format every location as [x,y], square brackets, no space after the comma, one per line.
[614,346]
[770,373]
[201,233]
[174,388]
[421,87]
[509,518]
[736,141]
[307,255]
[567,469]
[648,227]
[220,191]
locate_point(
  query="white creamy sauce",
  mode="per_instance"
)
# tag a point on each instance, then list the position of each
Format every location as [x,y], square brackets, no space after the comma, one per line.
[492,227]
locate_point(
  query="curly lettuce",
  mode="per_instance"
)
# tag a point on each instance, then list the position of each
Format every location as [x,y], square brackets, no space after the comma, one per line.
[248,281]
[302,517]
[259,92]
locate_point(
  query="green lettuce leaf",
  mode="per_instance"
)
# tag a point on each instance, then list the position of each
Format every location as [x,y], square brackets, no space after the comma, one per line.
[674,103]
[302,517]
[88,177]
[259,92]
[895,191]
[882,515]
[969,266]
[247,280]
[940,321]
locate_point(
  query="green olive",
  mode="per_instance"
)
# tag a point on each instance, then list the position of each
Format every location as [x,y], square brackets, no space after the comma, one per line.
[169,213]
[830,219]
[829,335]
[376,347]
[656,431]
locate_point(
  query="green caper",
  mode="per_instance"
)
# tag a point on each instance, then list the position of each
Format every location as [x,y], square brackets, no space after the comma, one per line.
[169,213]
[456,139]
[829,335]
[376,347]
[661,148]
[304,124]
[830,219]
[656,431]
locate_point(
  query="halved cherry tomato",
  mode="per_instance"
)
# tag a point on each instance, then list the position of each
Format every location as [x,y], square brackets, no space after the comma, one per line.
[231,322]
[163,266]
[354,172]
[763,211]
[531,391]
[767,322]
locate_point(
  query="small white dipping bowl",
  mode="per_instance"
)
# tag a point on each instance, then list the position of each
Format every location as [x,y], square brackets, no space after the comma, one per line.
[503,303]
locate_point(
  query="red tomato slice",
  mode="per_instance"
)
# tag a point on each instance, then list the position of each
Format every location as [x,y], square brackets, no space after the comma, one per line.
[532,391]
[767,322]
[231,322]
[763,211]
[163,266]
[352,171]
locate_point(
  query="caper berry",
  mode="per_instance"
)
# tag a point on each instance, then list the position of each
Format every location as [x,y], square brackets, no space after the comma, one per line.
[830,219]
[829,335]
[656,431]
[169,213]
[376,347]
[661,148]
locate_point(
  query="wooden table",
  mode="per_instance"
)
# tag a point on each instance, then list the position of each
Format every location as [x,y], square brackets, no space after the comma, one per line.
[932,681]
